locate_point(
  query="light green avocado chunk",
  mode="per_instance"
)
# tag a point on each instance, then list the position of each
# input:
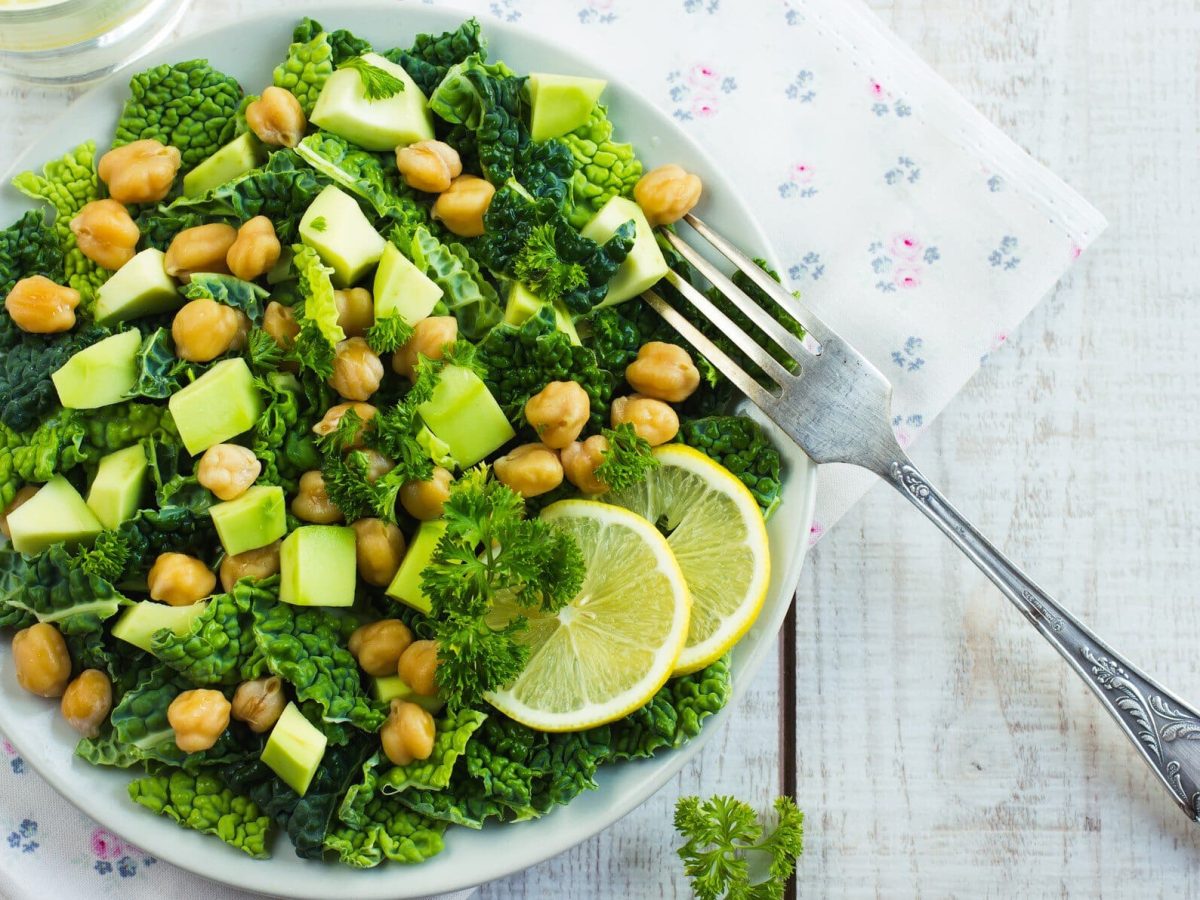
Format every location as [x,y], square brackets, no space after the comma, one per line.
[402,289]
[239,156]
[645,264]
[318,566]
[393,687]
[524,303]
[561,103]
[438,450]
[117,487]
[141,287]
[101,374]
[138,624]
[295,749]
[55,514]
[220,404]
[252,520]
[406,586]
[463,413]
[343,238]
[397,121]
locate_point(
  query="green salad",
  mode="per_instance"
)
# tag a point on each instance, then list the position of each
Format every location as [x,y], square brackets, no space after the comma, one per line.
[351,490]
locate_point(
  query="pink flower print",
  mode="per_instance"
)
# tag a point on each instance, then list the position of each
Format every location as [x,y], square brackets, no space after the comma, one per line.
[907,278]
[9,749]
[906,246]
[815,532]
[876,88]
[704,107]
[106,845]
[1076,250]
[802,173]
[703,77]
[998,339]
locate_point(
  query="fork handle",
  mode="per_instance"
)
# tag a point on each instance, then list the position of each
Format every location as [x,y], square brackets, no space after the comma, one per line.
[1165,730]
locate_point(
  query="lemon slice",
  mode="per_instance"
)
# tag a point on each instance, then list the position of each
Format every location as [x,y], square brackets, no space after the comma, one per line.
[717,534]
[610,649]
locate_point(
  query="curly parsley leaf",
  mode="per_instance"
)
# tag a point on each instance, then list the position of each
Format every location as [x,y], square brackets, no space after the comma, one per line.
[377,83]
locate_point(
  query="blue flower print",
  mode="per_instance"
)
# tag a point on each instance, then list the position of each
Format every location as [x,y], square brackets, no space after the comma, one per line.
[810,266]
[791,14]
[909,358]
[597,12]
[801,89]
[799,183]
[906,427]
[23,837]
[701,6]
[15,762]
[102,867]
[883,103]
[505,10]
[1005,256]
[995,184]
[905,170]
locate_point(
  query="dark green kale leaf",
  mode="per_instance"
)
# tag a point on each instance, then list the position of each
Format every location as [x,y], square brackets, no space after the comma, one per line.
[229,290]
[432,55]
[29,247]
[27,394]
[487,100]
[741,446]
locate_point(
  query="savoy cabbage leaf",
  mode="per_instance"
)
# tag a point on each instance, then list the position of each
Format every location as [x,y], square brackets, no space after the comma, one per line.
[603,168]
[308,65]
[466,293]
[203,803]
[371,176]
[29,247]
[220,641]
[317,313]
[245,296]
[432,55]
[449,743]
[486,99]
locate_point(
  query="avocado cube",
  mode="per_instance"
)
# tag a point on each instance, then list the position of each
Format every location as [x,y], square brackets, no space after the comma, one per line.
[344,239]
[117,487]
[463,413]
[138,624]
[344,109]
[437,449]
[402,289]
[141,287]
[55,514]
[318,566]
[220,404]
[295,749]
[252,520]
[406,586]
[644,265]
[238,157]
[99,375]
[393,687]
[523,304]
[561,103]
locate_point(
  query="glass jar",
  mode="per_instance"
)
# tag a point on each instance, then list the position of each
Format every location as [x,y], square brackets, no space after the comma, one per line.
[71,41]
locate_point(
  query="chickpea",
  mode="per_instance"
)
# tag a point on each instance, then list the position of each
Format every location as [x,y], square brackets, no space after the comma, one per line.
[280,323]
[228,470]
[428,166]
[39,306]
[408,733]
[530,469]
[667,194]
[379,547]
[41,660]
[429,339]
[379,645]
[425,500]
[105,233]
[333,418]
[87,702]
[200,249]
[664,372]
[461,206]
[418,667]
[651,419]
[242,334]
[580,461]
[255,250]
[378,465]
[257,564]
[356,311]
[140,172]
[19,499]
[558,413]
[259,703]
[312,504]
[357,371]
[203,329]
[277,118]
[180,580]
[199,718]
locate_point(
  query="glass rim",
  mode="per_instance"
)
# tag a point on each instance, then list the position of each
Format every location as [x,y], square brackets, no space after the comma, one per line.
[129,27]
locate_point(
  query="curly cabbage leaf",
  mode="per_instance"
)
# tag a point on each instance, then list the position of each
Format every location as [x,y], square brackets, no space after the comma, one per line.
[37,456]
[189,105]
[57,591]
[317,313]
[218,645]
[282,438]
[229,290]
[203,803]
[741,446]
[466,294]
[603,168]
[449,743]
[27,393]
[160,373]
[308,65]
[172,529]
[486,99]
[29,247]
[371,176]
[432,55]
[345,44]
[68,184]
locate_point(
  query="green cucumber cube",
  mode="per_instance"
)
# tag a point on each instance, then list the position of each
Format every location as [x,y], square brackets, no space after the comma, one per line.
[100,375]
[345,240]
[55,514]
[523,304]
[253,520]
[295,749]
[644,265]
[239,156]
[463,413]
[138,624]
[402,289]
[141,287]
[561,103]
[393,687]
[318,566]
[117,487]
[220,404]
[344,109]
[406,586]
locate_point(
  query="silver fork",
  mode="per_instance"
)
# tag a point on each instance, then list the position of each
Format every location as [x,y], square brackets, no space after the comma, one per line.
[837,407]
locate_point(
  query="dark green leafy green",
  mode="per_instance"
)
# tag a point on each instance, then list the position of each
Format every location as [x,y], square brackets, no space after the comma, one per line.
[371,176]
[487,100]
[29,247]
[27,394]
[308,65]
[241,295]
[432,55]
[203,803]
[741,446]
[219,644]
[466,294]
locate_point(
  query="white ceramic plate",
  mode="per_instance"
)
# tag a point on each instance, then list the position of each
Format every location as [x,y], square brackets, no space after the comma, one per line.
[249,50]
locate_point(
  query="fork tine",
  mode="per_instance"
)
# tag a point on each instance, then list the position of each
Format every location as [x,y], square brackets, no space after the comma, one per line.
[754,272]
[788,342]
[714,354]
[758,355]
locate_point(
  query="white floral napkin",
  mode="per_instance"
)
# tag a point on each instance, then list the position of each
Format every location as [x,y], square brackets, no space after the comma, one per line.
[909,223]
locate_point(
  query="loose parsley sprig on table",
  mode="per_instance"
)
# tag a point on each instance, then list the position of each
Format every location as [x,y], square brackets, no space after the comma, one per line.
[720,833]
[377,83]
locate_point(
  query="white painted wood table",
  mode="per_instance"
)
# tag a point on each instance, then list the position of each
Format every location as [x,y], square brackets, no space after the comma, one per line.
[942,748]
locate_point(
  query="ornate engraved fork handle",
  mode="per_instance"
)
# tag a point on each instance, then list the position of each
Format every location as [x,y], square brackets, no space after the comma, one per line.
[1165,730]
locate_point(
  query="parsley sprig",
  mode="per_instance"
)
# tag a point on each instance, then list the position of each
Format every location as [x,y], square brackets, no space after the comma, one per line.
[378,84]
[628,458]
